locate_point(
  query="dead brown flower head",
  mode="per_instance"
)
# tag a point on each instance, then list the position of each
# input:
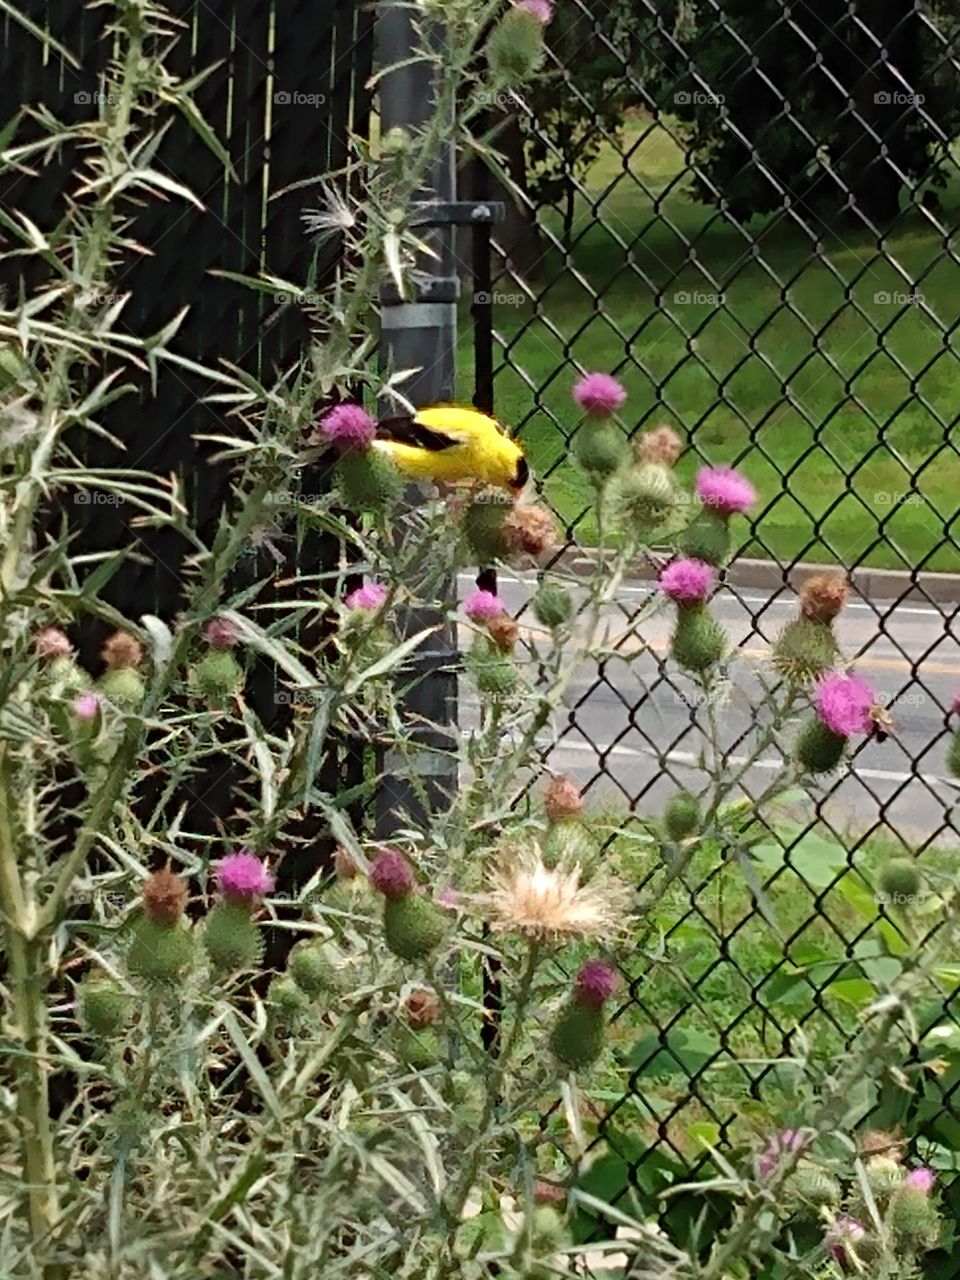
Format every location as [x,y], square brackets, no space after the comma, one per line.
[422,1008]
[164,896]
[344,864]
[530,530]
[661,444]
[823,596]
[122,650]
[504,631]
[562,800]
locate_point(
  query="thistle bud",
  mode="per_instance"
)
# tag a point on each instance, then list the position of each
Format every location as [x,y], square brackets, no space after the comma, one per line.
[216,675]
[552,605]
[642,497]
[814,1185]
[515,49]
[287,1001]
[103,1006]
[418,1048]
[682,815]
[311,968]
[884,1176]
[368,480]
[231,939]
[818,749]
[577,1036]
[123,686]
[601,449]
[493,673]
[900,880]
[698,641]
[707,538]
[804,650]
[412,925]
[483,524]
[913,1219]
[159,953]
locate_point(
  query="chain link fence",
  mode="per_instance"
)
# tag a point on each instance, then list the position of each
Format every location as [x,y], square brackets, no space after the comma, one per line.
[747,212]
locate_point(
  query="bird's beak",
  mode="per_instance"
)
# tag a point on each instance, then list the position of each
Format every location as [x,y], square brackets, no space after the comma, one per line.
[521,476]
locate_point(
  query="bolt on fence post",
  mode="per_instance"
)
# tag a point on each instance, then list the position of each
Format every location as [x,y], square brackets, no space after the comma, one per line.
[421,333]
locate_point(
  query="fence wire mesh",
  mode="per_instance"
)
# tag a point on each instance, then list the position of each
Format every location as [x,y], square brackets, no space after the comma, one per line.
[747,212]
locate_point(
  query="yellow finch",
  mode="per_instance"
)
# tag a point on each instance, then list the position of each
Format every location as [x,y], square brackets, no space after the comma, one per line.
[448,442]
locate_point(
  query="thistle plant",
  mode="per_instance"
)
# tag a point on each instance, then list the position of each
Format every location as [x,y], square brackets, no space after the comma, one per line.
[345,1076]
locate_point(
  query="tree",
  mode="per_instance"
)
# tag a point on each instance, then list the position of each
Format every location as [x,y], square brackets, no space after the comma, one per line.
[819,102]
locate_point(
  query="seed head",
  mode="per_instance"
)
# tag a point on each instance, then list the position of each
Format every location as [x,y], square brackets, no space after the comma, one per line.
[823,596]
[562,800]
[164,896]
[530,530]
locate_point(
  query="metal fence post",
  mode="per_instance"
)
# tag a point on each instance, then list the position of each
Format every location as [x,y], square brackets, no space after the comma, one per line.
[421,332]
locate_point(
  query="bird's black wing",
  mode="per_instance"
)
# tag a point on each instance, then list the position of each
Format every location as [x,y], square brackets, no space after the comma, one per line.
[406,431]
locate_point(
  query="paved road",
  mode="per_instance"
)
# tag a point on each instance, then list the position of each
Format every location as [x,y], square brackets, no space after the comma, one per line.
[634,733]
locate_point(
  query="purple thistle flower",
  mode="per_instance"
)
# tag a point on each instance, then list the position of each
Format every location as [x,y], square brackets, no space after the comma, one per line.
[348,426]
[483,606]
[844,703]
[724,489]
[86,706]
[922,1179]
[595,983]
[844,1231]
[599,394]
[778,1145]
[241,877]
[370,596]
[220,633]
[687,581]
[391,875]
[955,704]
[542,10]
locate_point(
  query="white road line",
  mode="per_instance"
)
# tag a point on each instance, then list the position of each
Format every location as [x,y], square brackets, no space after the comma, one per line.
[690,757]
[782,598]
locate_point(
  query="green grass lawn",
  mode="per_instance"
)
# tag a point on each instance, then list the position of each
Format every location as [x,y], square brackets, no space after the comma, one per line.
[837,426]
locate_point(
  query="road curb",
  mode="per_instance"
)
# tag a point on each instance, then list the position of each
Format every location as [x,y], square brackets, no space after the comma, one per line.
[769,575]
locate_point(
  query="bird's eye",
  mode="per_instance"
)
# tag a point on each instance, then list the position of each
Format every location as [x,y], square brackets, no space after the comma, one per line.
[521,475]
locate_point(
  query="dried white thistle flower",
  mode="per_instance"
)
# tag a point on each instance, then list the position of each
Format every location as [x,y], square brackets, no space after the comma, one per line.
[337,216]
[550,902]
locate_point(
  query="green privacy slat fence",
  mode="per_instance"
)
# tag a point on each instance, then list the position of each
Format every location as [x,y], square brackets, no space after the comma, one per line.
[288,82]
